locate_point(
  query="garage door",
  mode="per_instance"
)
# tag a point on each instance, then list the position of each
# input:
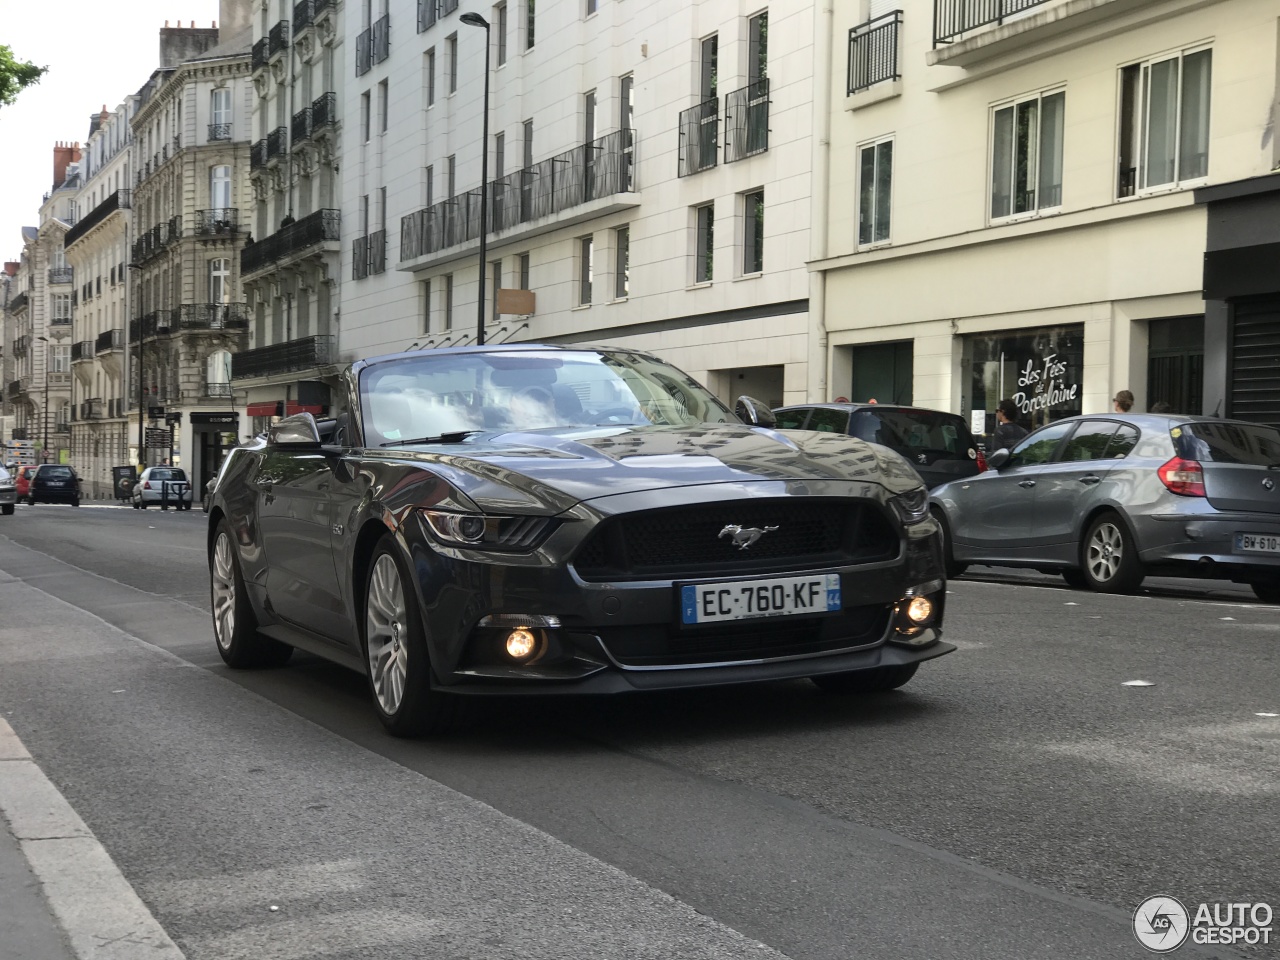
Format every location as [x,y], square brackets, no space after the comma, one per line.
[1255,361]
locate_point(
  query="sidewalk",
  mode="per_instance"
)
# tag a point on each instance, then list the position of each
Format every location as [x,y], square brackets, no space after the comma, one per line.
[28,930]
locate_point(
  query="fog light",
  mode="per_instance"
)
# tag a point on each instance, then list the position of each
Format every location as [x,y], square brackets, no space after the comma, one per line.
[920,610]
[521,643]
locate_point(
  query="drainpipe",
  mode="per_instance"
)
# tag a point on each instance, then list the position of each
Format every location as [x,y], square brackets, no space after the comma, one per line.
[819,362]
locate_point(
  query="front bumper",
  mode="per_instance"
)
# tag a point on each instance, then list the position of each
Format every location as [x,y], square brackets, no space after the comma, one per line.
[8,497]
[59,495]
[1207,544]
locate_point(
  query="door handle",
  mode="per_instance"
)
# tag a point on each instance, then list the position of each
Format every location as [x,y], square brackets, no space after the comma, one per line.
[1026,483]
[1090,480]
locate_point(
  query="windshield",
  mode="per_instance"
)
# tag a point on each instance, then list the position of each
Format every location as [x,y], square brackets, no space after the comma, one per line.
[943,435]
[166,473]
[442,393]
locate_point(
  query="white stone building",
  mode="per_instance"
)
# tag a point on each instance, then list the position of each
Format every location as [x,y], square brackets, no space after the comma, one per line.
[97,250]
[1016,206]
[651,165]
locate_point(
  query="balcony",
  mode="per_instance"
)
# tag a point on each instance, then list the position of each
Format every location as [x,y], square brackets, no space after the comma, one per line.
[369,255]
[154,324]
[21,346]
[107,341]
[301,126]
[699,126]
[213,316]
[291,356]
[292,240]
[597,170]
[746,121]
[81,351]
[18,387]
[873,52]
[18,303]
[258,155]
[320,9]
[277,139]
[258,58]
[380,39]
[278,38]
[60,321]
[952,18]
[218,222]
[61,275]
[219,131]
[220,391]
[91,409]
[303,14]
[324,112]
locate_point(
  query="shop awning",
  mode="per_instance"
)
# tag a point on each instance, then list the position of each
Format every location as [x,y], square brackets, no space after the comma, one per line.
[312,408]
[269,409]
[280,408]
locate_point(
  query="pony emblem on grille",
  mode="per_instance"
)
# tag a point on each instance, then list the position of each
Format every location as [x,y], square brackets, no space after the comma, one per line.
[744,537]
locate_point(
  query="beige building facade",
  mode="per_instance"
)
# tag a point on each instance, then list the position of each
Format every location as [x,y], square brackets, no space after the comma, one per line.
[1015,209]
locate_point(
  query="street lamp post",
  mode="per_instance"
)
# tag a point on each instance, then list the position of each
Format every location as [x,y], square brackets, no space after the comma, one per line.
[44,410]
[475,20]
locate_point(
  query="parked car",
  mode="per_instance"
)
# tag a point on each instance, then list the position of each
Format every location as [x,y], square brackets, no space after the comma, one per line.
[54,483]
[8,492]
[162,486]
[517,519]
[938,445]
[22,481]
[1107,500]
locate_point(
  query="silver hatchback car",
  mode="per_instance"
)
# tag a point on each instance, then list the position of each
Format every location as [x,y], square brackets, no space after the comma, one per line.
[1107,500]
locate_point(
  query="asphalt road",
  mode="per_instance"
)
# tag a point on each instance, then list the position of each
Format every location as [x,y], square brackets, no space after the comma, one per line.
[1014,800]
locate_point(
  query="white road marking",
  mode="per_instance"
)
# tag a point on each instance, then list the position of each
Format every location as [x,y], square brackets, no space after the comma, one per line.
[1137,683]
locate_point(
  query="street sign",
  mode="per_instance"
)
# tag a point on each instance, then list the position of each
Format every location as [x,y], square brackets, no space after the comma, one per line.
[172,418]
[157,438]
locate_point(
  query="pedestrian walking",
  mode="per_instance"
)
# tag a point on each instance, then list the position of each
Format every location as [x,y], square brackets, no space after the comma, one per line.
[1007,431]
[1123,401]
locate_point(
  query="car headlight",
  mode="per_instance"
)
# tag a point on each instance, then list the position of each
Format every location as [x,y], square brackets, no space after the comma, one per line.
[912,506]
[484,532]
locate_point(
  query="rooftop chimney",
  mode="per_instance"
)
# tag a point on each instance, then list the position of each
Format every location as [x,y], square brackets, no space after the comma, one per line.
[233,18]
[11,268]
[64,154]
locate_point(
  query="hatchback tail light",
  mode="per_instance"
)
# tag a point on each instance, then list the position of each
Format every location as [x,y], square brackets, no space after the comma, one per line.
[1183,477]
[146,485]
[982,461]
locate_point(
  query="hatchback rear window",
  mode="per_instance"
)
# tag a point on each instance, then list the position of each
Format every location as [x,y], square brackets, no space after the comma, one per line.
[915,431]
[167,473]
[55,473]
[1224,441]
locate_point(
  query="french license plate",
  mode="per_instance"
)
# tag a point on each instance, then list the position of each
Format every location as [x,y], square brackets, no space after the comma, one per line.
[744,599]
[1258,542]
[57,483]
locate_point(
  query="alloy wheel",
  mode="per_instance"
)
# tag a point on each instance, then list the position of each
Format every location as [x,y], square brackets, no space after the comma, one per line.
[224,592]
[1105,552]
[386,634]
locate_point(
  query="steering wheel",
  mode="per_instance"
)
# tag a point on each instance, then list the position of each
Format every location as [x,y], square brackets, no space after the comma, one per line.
[611,415]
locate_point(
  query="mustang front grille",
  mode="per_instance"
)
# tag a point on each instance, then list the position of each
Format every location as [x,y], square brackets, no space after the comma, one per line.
[706,539]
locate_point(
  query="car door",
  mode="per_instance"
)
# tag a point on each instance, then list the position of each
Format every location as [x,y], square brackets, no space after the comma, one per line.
[991,515]
[1069,484]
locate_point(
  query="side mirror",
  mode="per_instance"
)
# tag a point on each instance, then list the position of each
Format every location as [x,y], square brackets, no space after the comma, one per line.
[752,411]
[998,459]
[297,431]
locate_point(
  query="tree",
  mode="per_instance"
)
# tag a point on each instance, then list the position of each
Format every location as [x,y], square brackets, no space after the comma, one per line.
[16,75]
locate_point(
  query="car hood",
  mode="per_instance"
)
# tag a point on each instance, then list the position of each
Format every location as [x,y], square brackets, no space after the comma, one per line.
[550,471]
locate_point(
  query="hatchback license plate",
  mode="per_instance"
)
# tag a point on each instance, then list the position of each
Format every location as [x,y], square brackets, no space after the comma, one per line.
[745,599]
[1258,542]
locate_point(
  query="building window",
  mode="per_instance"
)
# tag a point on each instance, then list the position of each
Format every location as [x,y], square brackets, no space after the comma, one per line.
[430,68]
[426,306]
[528,24]
[753,232]
[61,359]
[1164,121]
[448,301]
[591,7]
[875,182]
[364,117]
[220,189]
[708,67]
[220,280]
[523,262]
[430,176]
[500,25]
[1026,155]
[757,47]
[451,175]
[61,308]
[451,52]
[382,107]
[704,219]
[586,267]
[220,114]
[218,367]
[622,263]
[495,284]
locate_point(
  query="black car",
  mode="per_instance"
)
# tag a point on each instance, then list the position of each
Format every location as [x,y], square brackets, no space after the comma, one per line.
[937,444]
[54,483]
[537,519]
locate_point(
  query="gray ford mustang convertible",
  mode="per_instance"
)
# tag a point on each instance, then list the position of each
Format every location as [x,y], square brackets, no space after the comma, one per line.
[540,519]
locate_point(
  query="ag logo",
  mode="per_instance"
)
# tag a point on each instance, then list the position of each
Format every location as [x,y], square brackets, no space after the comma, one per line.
[1161,924]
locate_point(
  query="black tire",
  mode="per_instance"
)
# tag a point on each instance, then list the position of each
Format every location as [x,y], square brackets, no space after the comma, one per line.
[401,649]
[1107,539]
[1266,592]
[951,567]
[7,509]
[1076,578]
[876,680]
[135,505]
[238,640]
[75,503]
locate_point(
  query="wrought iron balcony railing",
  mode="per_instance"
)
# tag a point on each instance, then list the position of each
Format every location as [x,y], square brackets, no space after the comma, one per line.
[82,350]
[21,346]
[699,128]
[303,14]
[324,111]
[258,155]
[278,38]
[117,201]
[258,58]
[220,391]
[91,409]
[109,340]
[322,8]
[746,121]
[301,126]
[157,323]
[276,141]
[213,316]
[377,251]
[219,131]
[305,353]
[18,303]
[313,229]
[599,169]
[61,275]
[60,322]
[873,52]
[220,221]
[952,18]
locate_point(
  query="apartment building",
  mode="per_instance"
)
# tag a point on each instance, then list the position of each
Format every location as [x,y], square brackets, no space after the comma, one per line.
[291,272]
[97,252]
[39,318]
[648,171]
[190,189]
[1020,197]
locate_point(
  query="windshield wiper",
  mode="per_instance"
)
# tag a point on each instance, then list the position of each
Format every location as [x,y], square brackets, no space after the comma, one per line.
[456,436]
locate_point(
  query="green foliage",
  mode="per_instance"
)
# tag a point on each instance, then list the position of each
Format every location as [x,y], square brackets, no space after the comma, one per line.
[16,75]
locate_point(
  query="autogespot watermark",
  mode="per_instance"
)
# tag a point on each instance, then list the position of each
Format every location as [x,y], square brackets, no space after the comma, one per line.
[1163,924]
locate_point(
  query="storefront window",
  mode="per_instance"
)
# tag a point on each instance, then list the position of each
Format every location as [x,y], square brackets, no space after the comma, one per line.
[1040,370]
